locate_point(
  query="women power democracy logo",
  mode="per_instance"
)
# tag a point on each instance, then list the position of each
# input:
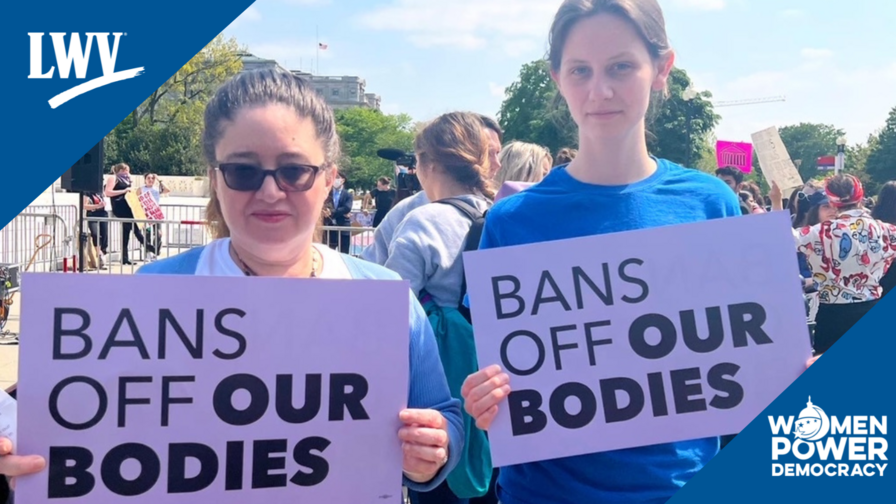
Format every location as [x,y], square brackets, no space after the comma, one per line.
[835,446]
[74,55]
[812,424]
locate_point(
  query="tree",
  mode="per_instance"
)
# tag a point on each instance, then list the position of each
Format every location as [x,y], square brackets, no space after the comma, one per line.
[679,128]
[363,132]
[533,111]
[163,134]
[807,142]
[881,163]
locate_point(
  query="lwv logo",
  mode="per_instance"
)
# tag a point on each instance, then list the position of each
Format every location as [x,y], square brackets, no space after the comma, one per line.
[75,55]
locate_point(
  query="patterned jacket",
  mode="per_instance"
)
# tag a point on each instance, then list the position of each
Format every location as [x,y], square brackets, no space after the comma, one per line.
[848,256]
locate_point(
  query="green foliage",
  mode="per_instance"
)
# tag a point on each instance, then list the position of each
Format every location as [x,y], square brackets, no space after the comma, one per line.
[163,134]
[881,161]
[365,131]
[679,128]
[807,142]
[533,112]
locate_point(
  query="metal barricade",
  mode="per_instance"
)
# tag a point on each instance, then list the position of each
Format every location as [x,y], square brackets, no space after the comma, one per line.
[167,237]
[350,240]
[45,237]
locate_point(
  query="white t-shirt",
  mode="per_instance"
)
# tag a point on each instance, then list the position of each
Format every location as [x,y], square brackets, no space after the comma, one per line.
[215,260]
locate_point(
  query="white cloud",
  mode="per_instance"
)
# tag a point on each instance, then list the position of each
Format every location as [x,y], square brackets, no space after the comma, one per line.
[792,14]
[496,90]
[706,5]
[514,27]
[249,15]
[810,53]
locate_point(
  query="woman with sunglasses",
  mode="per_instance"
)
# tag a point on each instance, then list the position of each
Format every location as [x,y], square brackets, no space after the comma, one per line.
[272,148]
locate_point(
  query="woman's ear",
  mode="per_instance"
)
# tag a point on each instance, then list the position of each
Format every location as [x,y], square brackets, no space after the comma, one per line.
[212,178]
[664,69]
[330,176]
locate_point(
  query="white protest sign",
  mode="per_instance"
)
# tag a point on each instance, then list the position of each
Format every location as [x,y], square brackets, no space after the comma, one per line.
[775,161]
[638,338]
[186,389]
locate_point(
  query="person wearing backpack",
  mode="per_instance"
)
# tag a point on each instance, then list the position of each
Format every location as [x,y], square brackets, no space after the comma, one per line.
[426,249]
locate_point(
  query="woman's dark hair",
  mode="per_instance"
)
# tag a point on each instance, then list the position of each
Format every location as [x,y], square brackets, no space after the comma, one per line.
[847,189]
[259,88]
[745,197]
[812,216]
[493,125]
[565,156]
[885,208]
[457,143]
[730,171]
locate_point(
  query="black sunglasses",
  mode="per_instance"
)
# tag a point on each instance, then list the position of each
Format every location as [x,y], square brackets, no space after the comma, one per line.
[249,178]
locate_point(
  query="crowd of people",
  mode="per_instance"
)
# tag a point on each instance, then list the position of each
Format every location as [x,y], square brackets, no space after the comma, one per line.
[273,149]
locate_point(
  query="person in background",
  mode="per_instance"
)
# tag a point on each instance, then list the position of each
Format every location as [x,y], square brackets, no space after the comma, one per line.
[565,156]
[732,176]
[758,204]
[95,206]
[523,162]
[154,231]
[382,197]
[453,166]
[885,211]
[495,140]
[116,189]
[848,255]
[607,57]
[338,214]
[378,251]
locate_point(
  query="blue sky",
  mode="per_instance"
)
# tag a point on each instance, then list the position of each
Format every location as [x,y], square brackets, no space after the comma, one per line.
[833,61]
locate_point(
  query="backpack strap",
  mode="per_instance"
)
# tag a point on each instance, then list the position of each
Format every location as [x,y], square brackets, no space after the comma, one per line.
[474,236]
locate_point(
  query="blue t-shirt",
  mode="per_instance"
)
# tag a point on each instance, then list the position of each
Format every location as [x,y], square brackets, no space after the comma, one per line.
[561,207]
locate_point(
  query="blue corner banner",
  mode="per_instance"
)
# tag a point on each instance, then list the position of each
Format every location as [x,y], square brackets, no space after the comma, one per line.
[56,111]
[832,450]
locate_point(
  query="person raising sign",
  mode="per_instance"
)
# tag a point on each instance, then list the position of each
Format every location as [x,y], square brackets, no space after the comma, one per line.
[608,59]
[271,146]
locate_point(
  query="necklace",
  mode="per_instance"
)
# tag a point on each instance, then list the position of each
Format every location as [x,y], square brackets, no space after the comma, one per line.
[315,261]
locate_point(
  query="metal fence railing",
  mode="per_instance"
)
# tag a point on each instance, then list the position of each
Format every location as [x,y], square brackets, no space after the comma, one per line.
[42,235]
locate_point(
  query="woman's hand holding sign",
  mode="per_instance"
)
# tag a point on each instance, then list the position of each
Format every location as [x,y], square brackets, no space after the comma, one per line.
[482,392]
[424,442]
[16,465]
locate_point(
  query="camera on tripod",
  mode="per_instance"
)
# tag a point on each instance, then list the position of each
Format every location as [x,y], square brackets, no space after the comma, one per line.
[406,180]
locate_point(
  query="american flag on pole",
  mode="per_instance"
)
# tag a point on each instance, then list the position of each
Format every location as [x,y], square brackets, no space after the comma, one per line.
[322,46]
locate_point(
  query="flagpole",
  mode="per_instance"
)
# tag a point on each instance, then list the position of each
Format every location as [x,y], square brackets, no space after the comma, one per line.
[317,56]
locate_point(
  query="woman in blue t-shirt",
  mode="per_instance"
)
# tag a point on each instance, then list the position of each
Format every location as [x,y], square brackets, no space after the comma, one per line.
[271,146]
[608,59]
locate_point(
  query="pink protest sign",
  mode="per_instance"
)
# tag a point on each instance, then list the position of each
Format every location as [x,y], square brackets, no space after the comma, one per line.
[192,389]
[612,345]
[737,154]
[152,209]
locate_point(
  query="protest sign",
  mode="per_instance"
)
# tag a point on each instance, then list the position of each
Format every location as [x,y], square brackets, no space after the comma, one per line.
[181,389]
[638,338]
[736,154]
[775,161]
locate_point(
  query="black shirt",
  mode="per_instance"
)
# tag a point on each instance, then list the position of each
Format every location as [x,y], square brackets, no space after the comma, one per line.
[383,199]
